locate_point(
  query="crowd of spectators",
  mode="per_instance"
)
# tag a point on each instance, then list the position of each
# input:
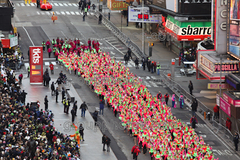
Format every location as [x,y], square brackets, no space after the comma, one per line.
[26,131]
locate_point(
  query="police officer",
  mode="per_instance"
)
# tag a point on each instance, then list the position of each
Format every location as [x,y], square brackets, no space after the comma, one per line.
[67,105]
[85,10]
[53,42]
[64,104]
[43,45]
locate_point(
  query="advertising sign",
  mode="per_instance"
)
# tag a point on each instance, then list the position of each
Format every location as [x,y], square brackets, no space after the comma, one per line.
[13,41]
[135,15]
[36,65]
[217,86]
[118,4]
[225,106]
[166,4]
[187,30]
[234,35]
[5,43]
[234,102]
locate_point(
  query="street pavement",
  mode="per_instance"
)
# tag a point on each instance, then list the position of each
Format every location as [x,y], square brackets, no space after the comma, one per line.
[36,26]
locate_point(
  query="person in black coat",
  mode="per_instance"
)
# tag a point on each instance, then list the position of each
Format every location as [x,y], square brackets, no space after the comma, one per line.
[104,141]
[46,103]
[48,79]
[52,88]
[75,107]
[108,141]
[81,131]
[236,141]
[194,106]
[143,63]
[136,63]
[63,93]
[193,121]
[23,95]
[73,115]
[57,94]
[190,87]
[95,117]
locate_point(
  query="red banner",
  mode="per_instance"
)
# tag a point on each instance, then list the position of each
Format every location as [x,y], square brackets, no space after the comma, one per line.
[36,65]
[5,43]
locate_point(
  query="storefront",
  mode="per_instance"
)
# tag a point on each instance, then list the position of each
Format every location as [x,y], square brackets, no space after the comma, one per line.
[210,67]
[186,34]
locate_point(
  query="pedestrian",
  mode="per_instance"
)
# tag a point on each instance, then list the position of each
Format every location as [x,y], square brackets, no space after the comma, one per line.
[216,111]
[67,105]
[28,71]
[47,79]
[44,79]
[51,66]
[73,115]
[173,101]
[85,10]
[64,105]
[48,43]
[83,17]
[43,45]
[136,63]
[56,92]
[95,116]
[101,106]
[108,141]
[229,124]
[143,63]
[83,108]
[79,4]
[23,95]
[20,78]
[158,68]
[190,86]
[166,97]
[75,107]
[236,140]
[100,19]
[159,95]
[38,3]
[52,88]
[194,106]
[135,151]
[81,131]
[154,66]
[126,58]
[63,93]
[49,52]
[89,42]
[193,121]
[46,103]
[181,101]
[129,52]
[59,81]
[104,142]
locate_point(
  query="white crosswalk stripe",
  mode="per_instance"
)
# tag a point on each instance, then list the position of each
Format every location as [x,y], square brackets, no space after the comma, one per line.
[65,4]
[28,4]
[18,4]
[55,4]
[75,5]
[43,13]
[68,13]
[146,84]
[57,13]
[81,13]
[153,84]
[77,13]
[38,13]
[60,4]
[22,4]
[48,13]
[69,4]
[47,63]
[72,13]
[32,4]
[91,13]
[63,13]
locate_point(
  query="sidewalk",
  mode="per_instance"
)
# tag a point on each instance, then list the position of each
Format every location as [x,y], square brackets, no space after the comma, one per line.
[91,148]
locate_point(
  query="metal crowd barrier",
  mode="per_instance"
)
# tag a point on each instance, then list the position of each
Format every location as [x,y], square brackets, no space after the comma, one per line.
[121,36]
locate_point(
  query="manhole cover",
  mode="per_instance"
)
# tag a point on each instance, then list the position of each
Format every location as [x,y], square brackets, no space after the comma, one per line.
[75,85]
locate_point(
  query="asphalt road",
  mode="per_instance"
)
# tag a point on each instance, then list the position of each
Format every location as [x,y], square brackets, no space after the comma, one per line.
[36,26]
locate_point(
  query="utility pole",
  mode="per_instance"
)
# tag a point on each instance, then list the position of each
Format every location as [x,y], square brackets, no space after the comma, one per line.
[143,37]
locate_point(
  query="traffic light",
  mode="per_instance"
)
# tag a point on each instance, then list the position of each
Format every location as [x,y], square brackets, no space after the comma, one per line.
[151,44]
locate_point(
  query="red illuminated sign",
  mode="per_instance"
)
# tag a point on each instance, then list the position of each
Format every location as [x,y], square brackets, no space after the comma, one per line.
[145,16]
[36,65]
[226,67]
[5,43]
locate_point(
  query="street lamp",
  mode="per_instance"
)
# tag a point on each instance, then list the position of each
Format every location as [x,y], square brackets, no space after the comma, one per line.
[143,37]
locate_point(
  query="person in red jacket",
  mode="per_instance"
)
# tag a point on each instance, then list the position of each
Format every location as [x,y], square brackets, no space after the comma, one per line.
[135,151]
[228,124]
[216,112]
[51,67]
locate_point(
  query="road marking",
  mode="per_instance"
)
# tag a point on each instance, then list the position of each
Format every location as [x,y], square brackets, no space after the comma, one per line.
[222,152]
[48,13]
[146,84]
[22,4]
[26,65]
[65,4]
[28,4]
[63,34]
[69,4]
[55,4]
[62,13]
[81,13]
[60,4]
[18,4]
[28,35]
[47,64]
[203,136]
[68,13]
[91,13]
[38,13]
[153,84]
[72,13]
[148,77]
[32,4]
[57,13]
[43,13]
[153,77]
[54,63]
[77,13]
[75,5]
[112,53]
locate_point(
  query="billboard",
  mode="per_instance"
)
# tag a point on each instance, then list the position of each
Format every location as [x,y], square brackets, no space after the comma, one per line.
[234,30]
[135,15]
[166,4]
[36,65]
[119,4]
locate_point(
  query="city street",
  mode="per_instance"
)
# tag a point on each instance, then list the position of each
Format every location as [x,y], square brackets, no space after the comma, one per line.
[36,26]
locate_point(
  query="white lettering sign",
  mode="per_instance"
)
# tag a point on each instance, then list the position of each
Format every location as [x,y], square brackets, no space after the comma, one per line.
[36,56]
